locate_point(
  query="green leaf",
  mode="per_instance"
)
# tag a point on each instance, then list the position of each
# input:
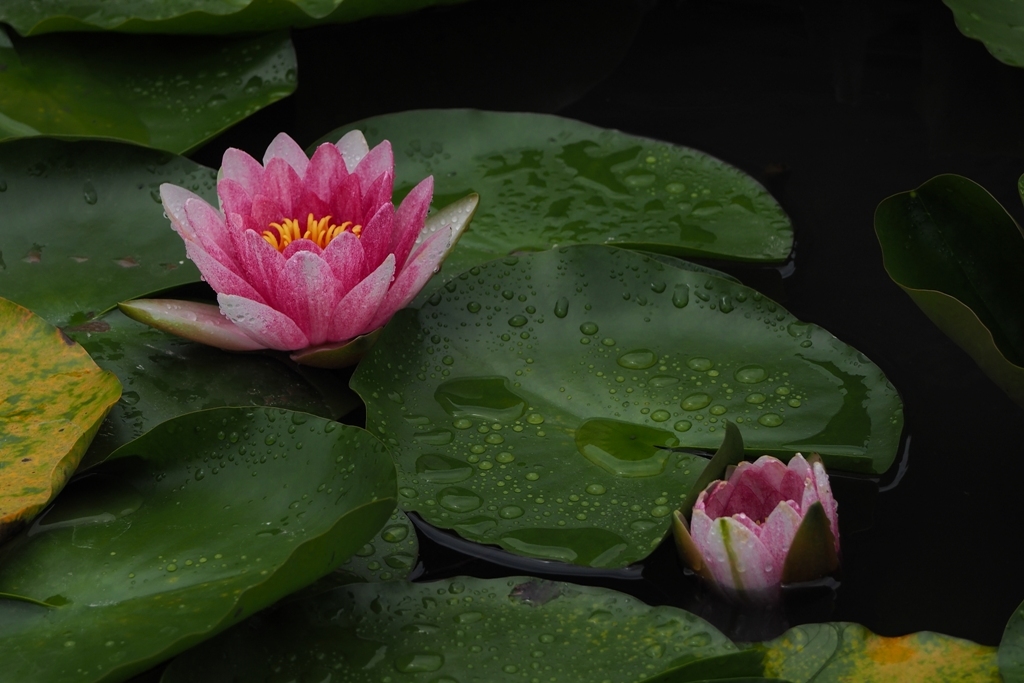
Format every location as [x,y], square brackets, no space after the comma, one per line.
[31,17]
[838,652]
[545,181]
[461,629]
[83,225]
[392,554]
[1011,648]
[162,92]
[185,531]
[530,398]
[53,398]
[996,23]
[167,376]
[958,254]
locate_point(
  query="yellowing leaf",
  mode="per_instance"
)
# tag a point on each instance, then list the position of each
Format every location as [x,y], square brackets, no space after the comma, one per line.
[52,400]
[849,653]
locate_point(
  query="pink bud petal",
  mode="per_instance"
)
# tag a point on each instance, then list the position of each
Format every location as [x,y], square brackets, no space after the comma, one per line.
[410,281]
[409,219]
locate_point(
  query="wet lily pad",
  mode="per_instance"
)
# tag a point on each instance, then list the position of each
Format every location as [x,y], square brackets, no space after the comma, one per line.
[466,629]
[162,92]
[545,403]
[185,531]
[31,17]
[958,254]
[391,554]
[996,23]
[53,398]
[545,181]
[83,225]
[835,652]
[166,376]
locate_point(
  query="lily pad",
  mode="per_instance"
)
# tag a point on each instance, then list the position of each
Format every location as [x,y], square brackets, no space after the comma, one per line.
[53,398]
[546,181]
[958,254]
[465,629]
[31,17]
[837,652]
[391,554]
[187,530]
[546,403]
[166,376]
[1011,648]
[996,23]
[156,91]
[83,225]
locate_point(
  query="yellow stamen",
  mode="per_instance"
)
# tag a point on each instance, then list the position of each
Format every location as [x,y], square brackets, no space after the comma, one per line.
[320,232]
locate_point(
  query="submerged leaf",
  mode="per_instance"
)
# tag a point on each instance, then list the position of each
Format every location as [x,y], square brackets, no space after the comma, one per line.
[958,254]
[195,16]
[53,398]
[156,91]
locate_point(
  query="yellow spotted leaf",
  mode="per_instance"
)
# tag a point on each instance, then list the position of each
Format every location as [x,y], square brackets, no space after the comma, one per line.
[849,653]
[53,398]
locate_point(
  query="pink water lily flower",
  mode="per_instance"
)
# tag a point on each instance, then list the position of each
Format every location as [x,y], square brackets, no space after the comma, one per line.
[304,253]
[769,523]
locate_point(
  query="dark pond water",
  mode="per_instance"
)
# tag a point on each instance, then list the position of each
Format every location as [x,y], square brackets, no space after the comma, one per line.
[833,106]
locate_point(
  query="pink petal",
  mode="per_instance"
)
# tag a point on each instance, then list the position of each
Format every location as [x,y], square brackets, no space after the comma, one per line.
[262,323]
[347,203]
[376,236]
[378,193]
[377,162]
[219,276]
[283,147]
[259,262]
[827,500]
[211,231]
[326,172]
[301,245]
[196,322]
[353,148]
[282,185]
[345,256]
[410,219]
[266,210]
[174,199]
[356,310]
[233,197]
[734,555]
[778,532]
[238,166]
[308,295]
[423,264]
[713,499]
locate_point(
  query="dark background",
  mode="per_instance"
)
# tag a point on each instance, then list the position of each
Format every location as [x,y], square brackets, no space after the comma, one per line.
[833,106]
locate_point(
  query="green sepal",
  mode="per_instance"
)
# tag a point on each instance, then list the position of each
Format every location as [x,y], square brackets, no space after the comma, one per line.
[813,553]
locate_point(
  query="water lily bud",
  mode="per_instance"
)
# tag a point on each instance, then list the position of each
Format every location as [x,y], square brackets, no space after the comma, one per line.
[767,524]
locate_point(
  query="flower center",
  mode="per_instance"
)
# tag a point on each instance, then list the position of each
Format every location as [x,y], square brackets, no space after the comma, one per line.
[320,232]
